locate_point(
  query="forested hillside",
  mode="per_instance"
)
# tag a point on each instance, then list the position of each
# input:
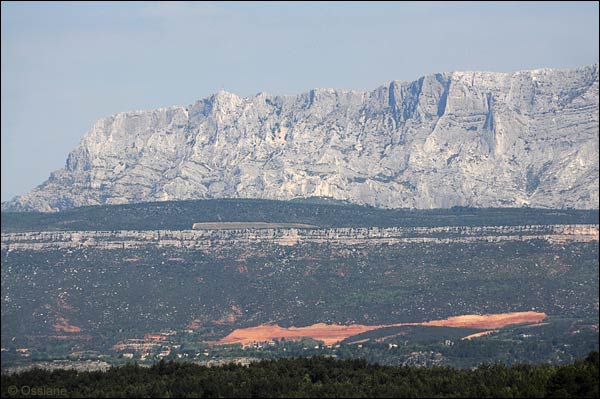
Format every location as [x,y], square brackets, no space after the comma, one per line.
[180,215]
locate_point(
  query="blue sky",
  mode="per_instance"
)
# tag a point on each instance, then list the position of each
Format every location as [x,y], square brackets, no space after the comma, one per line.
[64,65]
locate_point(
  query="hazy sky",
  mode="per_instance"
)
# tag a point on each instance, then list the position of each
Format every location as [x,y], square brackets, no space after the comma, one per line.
[64,65]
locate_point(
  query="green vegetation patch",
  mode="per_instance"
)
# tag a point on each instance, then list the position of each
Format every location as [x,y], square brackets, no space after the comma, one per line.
[180,215]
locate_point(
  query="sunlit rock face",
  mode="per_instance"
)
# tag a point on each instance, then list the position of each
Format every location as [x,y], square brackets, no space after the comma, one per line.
[480,139]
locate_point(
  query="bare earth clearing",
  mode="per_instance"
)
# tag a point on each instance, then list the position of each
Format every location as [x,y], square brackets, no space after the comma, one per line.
[333,333]
[249,225]
[479,334]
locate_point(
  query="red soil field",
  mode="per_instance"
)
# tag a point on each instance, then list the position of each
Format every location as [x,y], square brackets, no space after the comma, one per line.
[488,320]
[63,325]
[479,334]
[333,333]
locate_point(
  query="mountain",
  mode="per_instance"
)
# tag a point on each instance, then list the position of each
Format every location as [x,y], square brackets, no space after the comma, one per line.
[477,139]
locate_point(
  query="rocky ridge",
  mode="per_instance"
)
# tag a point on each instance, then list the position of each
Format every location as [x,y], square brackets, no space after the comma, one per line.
[480,139]
[211,240]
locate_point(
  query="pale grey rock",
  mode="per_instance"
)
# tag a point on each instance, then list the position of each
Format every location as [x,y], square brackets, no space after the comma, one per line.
[480,139]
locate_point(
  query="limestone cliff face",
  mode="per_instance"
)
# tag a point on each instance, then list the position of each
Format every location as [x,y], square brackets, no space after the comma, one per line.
[478,139]
[211,240]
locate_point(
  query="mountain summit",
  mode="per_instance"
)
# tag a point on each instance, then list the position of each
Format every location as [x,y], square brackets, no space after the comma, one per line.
[480,139]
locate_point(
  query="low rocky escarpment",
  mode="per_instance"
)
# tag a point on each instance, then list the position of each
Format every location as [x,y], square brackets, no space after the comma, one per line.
[215,239]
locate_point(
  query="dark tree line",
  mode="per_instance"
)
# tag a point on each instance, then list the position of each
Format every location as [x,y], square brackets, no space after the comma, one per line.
[177,215]
[313,377]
